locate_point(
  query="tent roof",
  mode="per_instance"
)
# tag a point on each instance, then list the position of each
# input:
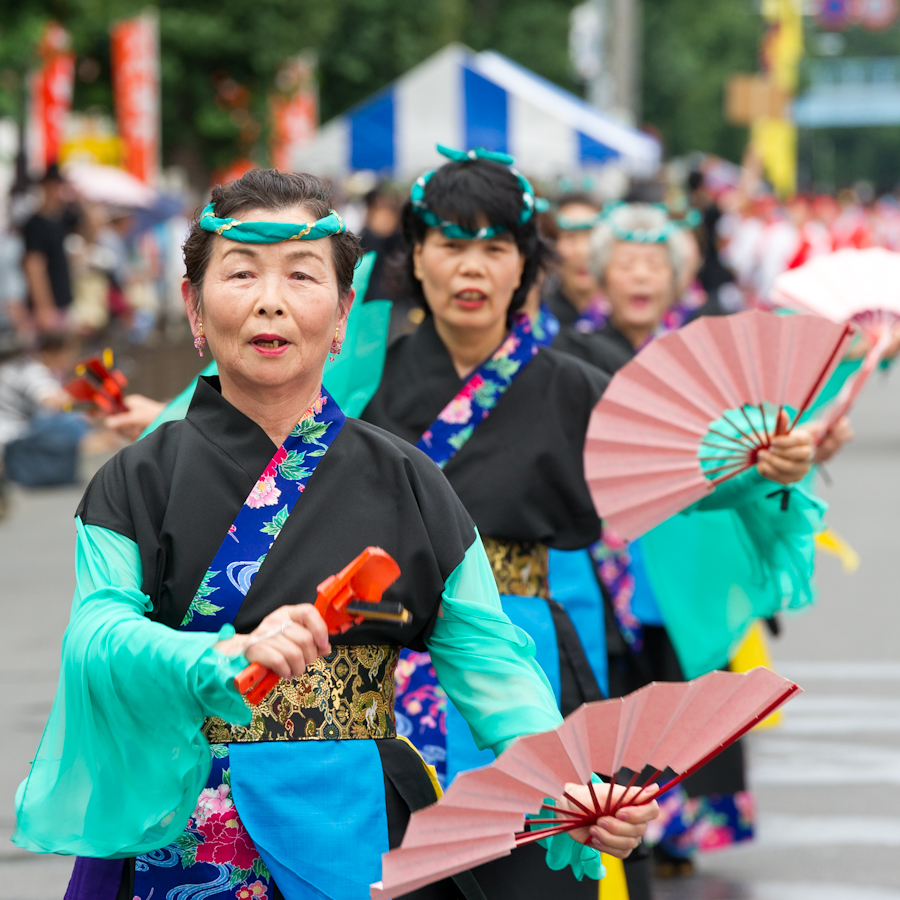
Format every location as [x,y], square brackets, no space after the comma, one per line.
[466,99]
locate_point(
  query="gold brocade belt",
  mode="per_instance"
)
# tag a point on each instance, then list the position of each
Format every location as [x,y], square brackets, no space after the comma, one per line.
[346,695]
[519,568]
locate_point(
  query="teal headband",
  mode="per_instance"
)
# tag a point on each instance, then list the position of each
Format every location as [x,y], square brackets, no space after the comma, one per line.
[270,232]
[452,229]
[650,235]
[564,223]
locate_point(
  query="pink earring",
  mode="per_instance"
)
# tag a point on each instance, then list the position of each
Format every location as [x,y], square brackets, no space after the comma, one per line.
[335,346]
[200,340]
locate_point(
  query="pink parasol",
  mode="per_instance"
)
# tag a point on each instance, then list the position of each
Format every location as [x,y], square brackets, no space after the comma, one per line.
[661,732]
[857,286]
[693,409]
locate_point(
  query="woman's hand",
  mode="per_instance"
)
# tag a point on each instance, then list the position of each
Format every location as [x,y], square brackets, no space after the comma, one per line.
[790,456]
[834,439]
[616,834]
[141,412]
[286,641]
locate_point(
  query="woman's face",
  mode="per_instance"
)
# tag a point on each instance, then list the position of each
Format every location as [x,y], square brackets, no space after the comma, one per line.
[468,284]
[640,284]
[574,251]
[270,311]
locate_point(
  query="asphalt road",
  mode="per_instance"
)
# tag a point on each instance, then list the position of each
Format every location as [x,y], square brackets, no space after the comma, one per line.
[827,782]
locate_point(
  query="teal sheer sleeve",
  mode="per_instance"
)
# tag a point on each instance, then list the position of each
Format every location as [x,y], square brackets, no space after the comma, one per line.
[748,487]
[177,407]
[487,667]
[485,663]
[122,759]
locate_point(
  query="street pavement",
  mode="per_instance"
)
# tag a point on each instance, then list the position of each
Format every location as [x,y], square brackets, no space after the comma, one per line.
[827,782]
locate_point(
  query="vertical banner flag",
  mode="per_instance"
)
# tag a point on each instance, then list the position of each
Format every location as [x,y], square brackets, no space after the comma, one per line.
[295,110]
[51,98]
[134,49]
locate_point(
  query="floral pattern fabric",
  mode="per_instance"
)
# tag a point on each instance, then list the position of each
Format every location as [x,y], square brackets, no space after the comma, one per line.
[421,705]
[457,421]
[213,858]
[421,710]
[545,327]
[687,825]
[261,518]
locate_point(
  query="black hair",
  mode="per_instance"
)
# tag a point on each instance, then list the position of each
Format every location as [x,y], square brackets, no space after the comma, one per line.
[471,193]
[581,198]
[270,189]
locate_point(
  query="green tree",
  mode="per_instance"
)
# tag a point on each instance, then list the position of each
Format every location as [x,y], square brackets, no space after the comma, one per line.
[691,48]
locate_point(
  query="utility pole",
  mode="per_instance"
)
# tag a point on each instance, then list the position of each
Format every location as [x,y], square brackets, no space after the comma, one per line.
[605,45]
[625,59]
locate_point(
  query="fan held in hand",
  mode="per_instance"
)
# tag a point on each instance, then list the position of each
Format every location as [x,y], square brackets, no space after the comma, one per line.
[857,286]
[695,407]
[662,732]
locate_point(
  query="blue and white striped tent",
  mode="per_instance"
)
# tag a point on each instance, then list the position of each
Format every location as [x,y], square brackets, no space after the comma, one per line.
[465,99]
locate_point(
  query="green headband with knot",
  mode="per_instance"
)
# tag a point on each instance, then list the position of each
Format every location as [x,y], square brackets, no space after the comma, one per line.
[564,223]
[270,232]
[452,229]
[649,235]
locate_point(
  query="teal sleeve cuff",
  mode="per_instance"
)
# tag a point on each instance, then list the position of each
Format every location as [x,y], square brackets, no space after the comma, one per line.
[123,758]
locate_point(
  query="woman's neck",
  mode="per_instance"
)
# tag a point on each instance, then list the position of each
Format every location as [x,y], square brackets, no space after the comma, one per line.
[580,299]
[470,347]
[636,335]
[275,409]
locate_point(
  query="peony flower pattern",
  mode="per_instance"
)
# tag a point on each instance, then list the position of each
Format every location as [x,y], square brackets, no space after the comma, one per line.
[457,412]
[212,802]
[482,391]
[225,840]
[215,841]
[264,493]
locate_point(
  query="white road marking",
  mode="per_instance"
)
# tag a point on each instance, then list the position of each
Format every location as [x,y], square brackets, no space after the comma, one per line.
[797,761]
[840,715]
[841,670]
[788,830]
[808,890]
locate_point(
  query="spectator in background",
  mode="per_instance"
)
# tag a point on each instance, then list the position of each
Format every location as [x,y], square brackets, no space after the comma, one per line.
[39,441]
[381,233]
[713,274]
[45,264]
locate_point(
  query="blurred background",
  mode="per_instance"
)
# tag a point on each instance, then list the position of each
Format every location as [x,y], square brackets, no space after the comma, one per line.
[778,121]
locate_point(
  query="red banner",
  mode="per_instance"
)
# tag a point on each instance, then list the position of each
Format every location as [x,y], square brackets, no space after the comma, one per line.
[51,97]
[134,50]
[295,111]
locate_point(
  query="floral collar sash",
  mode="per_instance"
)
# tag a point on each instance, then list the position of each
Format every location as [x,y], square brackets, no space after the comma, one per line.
[260,520]
[545,327]
[480,394]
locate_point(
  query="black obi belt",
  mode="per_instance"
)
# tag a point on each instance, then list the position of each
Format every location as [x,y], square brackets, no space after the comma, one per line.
[519,568]
[347,695]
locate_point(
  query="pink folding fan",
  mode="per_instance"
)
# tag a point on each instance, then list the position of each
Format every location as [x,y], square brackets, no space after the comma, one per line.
[694,408]
[857,286]
[661,733]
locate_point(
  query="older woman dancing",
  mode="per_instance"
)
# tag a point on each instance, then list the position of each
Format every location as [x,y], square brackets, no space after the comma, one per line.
[199,549]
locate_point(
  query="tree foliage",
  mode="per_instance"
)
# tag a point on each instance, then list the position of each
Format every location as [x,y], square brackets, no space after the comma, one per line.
[690,47]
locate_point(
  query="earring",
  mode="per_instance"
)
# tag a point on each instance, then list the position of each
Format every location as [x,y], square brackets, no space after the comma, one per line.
[335,347]
[200,340]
